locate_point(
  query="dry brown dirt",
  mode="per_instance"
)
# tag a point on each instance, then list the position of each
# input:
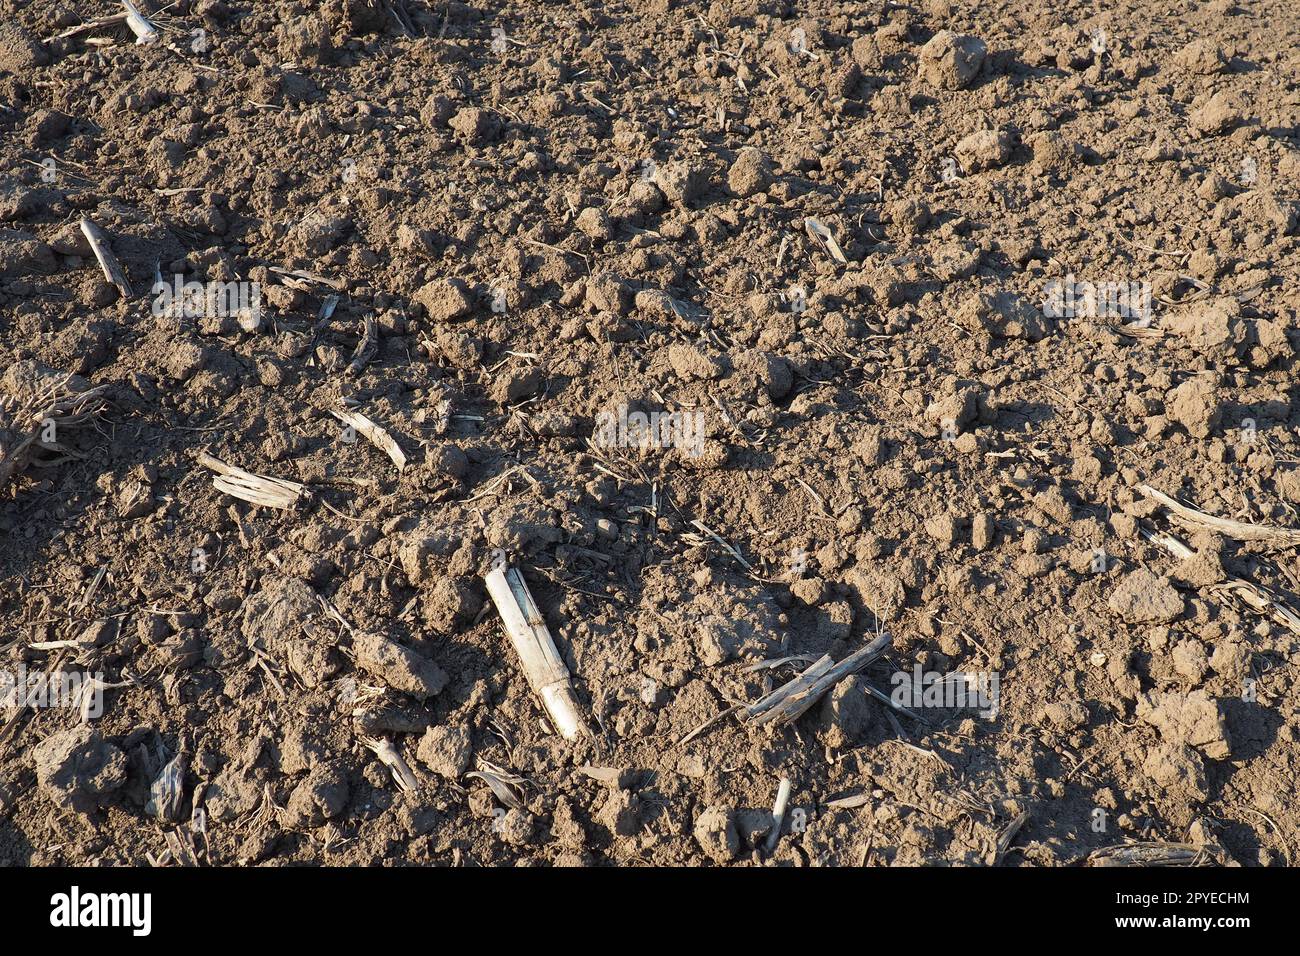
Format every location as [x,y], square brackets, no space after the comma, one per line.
[554,218]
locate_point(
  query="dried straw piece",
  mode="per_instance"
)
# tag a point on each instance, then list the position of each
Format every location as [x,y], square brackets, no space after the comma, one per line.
[375,434]
[144,30]
[301,280]
[1258,598]
[90,26]
[167,792]
[1156,854]
[22,425]
[1237,530]
[792,699]
[255,489]
[820,232]
[113,271]
[850,802]
[542,663]
[1007,835]
[393,760]
[505,786]
[367,347]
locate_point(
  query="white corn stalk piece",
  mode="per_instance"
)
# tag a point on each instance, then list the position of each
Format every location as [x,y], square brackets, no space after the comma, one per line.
[778,813]
[541,661]
[145,32]
[255,489]
[376,434]
[113,271]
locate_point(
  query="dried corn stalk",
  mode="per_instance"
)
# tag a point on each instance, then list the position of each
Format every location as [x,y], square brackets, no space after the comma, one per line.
[1156,854]
[28,424]
[113,270]
[375,434]
[144,30]
[821,233]
[778,813]
[541,661]
[393,760]
[1254,596]
[255,489]
[1237,530]
[792,699]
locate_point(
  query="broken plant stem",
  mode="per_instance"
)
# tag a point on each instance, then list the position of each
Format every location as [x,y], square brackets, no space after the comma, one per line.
[391,759]
[778,813]
[541,660]
[789,701]
[112,269]
[144,30]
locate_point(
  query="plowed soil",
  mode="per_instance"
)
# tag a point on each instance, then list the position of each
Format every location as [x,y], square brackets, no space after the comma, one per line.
[819,240]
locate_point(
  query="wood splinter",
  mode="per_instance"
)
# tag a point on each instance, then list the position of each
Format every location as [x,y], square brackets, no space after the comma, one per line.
[542,663]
